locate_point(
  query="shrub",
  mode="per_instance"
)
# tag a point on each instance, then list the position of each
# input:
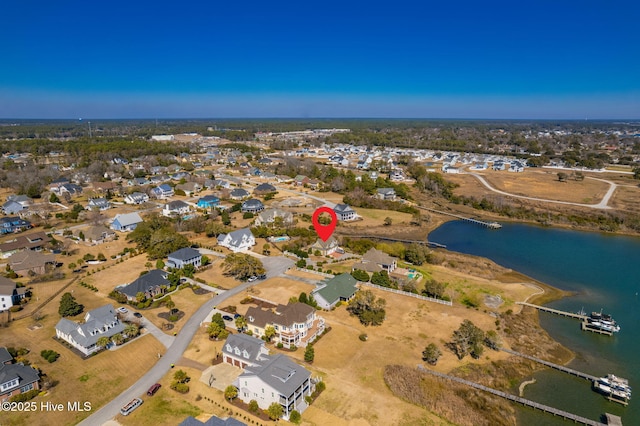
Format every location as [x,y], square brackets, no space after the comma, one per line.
[180,387]
[363,337]
[295,417]
[320,386]
[26,396]
[253,406]
[49,355]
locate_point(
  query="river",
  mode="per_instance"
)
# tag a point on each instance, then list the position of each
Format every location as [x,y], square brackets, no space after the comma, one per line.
[604,272]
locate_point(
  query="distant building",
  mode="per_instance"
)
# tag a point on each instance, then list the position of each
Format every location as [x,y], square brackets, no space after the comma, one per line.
[239,240]
[150,284]
[340,288]
[126,222]
[15,378]
[136,198]
[252,205]
[183,257]
[344,212]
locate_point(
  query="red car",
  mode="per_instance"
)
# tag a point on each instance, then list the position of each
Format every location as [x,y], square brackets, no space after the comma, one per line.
[153,389]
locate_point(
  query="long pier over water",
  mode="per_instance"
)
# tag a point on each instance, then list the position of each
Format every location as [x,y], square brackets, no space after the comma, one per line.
[554,366]
[527,402]
[554,311]
[490,225]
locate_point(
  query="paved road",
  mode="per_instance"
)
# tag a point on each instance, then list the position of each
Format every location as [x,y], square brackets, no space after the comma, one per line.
[163,365]
[603,204]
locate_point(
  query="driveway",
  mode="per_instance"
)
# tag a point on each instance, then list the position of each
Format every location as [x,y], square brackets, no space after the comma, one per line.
[277,265]
[163,365]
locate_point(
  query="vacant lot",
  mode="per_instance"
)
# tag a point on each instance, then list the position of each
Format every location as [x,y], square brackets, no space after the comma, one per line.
[277,290]
[537,184]
[626,198]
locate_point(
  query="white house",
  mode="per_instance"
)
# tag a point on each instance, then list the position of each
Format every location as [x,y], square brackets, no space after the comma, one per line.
[185,256]
[136,198]
[277,379]
[10,294]
[239,240]
[175,208]
[99,203]
[99,322]
[241,350]
[344,212]
[295,324]
[126,222]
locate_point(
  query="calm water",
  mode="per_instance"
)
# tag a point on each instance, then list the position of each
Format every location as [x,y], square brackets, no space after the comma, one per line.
[604,271]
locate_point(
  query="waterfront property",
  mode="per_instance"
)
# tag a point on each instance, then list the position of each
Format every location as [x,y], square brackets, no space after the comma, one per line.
[295,324]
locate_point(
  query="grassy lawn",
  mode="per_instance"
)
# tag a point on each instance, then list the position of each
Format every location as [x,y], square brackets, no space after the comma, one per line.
[375,217]
[186,300]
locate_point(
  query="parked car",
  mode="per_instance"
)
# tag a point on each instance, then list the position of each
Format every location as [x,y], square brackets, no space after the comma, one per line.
[131,405]
[227,318]
[236,316]
[137,314]
[122,310]
[262,277]
[153,389]
[252,279]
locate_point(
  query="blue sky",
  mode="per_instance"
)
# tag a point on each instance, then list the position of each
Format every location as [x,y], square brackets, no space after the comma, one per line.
[198,59]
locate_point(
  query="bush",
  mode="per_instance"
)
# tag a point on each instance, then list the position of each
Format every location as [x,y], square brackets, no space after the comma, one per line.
[295,417]
[180,387]
[26,396]
[49,355]
[363,337]
[247,215]
[320,386]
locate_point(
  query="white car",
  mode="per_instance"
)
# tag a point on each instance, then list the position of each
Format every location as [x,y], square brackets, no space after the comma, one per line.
[122,310]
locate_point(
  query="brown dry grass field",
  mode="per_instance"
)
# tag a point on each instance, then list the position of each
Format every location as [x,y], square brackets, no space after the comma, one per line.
[103,376]
[626,197]
[277,290]
[538,184]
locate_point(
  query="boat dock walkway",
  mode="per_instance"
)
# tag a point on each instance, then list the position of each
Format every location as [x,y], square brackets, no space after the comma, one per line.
[527,402]
[490,225]
[552,365]
[554,311]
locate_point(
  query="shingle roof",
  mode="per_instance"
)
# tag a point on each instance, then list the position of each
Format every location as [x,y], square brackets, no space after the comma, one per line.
[5,356]
[96,319]
[7,286]
[342,286]
[279,372]
[128,219]
[377,256]
[184,254]
[151,279]
[213,421]
[24,374]
[243,342]
[341,208]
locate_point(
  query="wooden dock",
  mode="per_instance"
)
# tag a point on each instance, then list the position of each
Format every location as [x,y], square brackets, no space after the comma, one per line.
[527,402]
[554,366]
[490,225]
[554,311]
[585,327]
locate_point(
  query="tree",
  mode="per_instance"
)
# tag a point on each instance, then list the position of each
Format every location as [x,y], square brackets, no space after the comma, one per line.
[269,332]
[388,221]
[181,376]
[309,354]
[159,264]
[275,411]
[72,266]
[226,219]
[54,198]
[170,305]
[103,341]
[381,278]
[431,354]
[416,254]
[230,392]
[302,298]
[367,308]
[241,323]
[295,417]
[68,306]
[360,275]
[131,330]
[140,297]
[468,339]
[253,406]
[214,330]
[242,266]
[117,339]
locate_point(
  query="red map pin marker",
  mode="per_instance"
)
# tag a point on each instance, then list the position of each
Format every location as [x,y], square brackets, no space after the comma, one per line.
[324,231]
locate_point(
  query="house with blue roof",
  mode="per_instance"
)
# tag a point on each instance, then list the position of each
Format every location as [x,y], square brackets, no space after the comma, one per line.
[208,202]
[162,191]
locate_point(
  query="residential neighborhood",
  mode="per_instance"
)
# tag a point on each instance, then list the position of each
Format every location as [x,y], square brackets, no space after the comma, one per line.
[199,268]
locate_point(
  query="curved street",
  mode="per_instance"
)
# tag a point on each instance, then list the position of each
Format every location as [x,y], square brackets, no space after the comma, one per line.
[603,204]
[163,365]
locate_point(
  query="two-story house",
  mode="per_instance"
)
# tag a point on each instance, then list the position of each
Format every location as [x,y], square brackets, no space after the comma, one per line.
[136,198]
[241,239]
[344,212]
[15,378]
[296,324]
[102,321]
[185,256]
[176,208]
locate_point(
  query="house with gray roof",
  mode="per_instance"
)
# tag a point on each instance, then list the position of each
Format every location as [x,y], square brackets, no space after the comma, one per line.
[238,194]
[15,378]
[34,241]
[29,262]
[136,198]
[325,248]
[386,194]
[212,421]
[100,322]
[150,284]
[239,240]
[241,350]
[269,216]
[279,380]
[264,188]
[344,212]
[185,256]
[340,288]
[126,222]
[10,294]
[252,206]
[375,260]
[12,207]
[99,203]
[176,208]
